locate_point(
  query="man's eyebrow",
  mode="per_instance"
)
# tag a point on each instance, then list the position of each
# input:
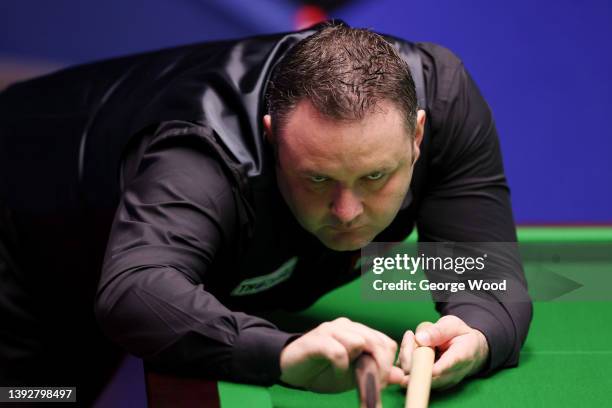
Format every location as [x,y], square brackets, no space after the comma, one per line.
[386,167]
[311,173]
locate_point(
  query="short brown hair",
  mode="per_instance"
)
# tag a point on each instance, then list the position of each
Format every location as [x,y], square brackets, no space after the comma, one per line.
[345,73]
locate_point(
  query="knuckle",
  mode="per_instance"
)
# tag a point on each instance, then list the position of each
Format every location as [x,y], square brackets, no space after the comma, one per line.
[450,319]
[423,325]
[408,337]
[358,342]
[454,363]
[465,356]
[324,325]
[337,354]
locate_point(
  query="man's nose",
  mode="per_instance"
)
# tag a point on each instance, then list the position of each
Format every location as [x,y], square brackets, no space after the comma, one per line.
[346,206]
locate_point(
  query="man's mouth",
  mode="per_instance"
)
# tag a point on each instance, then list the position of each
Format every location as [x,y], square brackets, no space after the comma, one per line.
[345,230]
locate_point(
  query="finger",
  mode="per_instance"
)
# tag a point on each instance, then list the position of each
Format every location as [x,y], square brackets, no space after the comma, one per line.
[407,347]
[447,363]
[441,332]
[384,340]
[353,342]
[405,381]
[382,347]
[334,352]
[370,338]
[396,376]
[384,356]
[454,359]
[447,379]
[421,336]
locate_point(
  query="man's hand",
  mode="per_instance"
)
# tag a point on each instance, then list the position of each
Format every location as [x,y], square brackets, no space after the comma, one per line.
[461,350]
[320,360]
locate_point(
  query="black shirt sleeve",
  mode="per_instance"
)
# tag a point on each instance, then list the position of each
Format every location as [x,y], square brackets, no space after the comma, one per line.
[176,212]
[467,198]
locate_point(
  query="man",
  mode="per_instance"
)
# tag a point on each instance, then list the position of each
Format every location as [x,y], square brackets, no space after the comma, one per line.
[244,176]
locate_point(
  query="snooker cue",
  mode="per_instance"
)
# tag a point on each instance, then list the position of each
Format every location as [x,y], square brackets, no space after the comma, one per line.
[366,377]
[417,394]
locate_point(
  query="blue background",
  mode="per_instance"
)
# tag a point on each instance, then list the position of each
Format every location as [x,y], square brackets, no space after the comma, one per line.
[543,67]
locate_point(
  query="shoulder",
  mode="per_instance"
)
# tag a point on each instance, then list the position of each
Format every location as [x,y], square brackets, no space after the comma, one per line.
[180,156]
[438,54]
[452,95]
[443,71]
[460,120]
[444,76]
[437,60]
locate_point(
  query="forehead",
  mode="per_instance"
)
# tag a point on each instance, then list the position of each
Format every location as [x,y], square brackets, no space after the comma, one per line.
[312,142]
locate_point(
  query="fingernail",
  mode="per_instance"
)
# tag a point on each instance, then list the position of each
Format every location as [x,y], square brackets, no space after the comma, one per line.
[423,338]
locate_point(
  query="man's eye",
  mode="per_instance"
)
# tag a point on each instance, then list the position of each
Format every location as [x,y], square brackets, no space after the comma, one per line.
[375,176]
[318,179]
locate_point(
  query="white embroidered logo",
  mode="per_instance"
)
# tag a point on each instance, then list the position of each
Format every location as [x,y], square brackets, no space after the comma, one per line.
[265,282]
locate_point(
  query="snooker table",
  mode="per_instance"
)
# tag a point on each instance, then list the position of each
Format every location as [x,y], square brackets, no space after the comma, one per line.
[566,361]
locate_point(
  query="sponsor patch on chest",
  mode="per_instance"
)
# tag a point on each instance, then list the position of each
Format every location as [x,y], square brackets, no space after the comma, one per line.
[264,282]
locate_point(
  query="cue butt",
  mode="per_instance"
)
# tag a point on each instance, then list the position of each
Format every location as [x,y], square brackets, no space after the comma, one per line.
[366,377]
[417,394]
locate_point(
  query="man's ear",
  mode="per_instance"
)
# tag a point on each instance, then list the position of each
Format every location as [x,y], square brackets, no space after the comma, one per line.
[267,124]
[418,134]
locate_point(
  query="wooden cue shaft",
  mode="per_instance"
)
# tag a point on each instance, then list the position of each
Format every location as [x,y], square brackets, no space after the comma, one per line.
[417,394]
[366,377]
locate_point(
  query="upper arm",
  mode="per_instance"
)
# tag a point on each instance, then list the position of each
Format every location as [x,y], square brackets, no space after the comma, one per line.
[467,197]
[177,210]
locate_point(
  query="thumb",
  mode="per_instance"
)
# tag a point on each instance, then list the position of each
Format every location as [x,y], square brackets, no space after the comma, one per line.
[446,328]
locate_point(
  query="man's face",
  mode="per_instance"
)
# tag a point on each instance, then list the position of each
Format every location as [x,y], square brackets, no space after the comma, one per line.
[345,181]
